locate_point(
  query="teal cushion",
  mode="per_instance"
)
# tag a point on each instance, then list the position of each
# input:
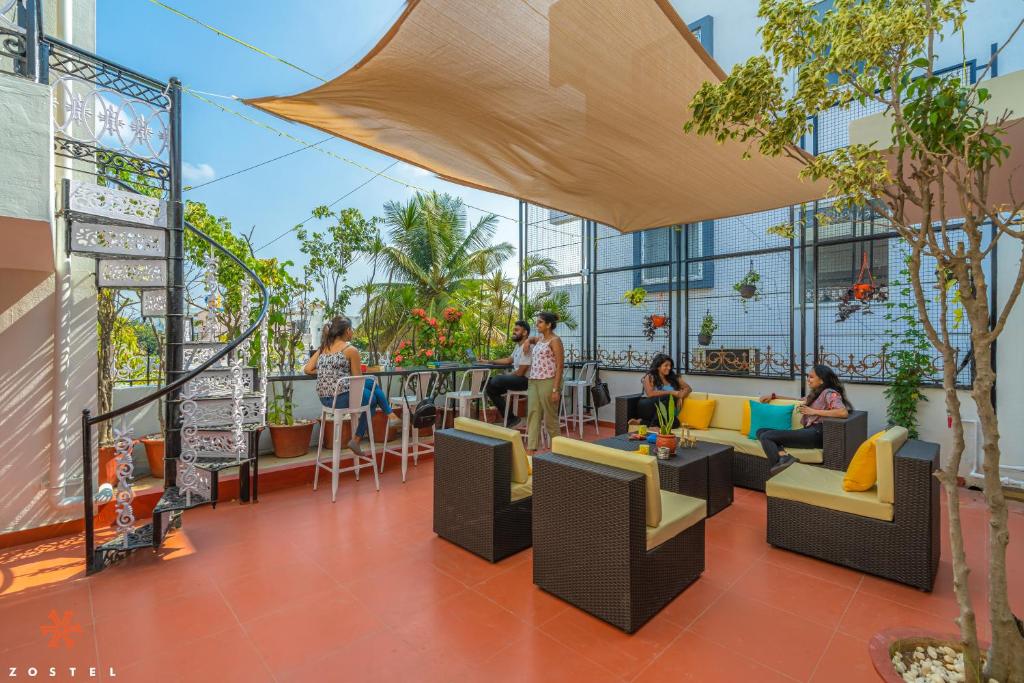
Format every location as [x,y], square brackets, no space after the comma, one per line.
[763,415]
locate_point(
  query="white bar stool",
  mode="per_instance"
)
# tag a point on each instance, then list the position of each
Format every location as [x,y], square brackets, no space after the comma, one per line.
[416,386]
[472,387]
[356,388]
[574,393]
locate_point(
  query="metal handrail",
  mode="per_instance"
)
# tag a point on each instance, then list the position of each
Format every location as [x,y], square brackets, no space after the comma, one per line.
[192,374]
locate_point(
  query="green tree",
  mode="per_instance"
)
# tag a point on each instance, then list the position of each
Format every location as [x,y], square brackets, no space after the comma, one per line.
[431,248]
[332,254]
[944,147]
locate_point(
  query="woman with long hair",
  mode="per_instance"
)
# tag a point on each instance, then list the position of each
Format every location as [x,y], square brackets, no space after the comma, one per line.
[827,398]
[544,389]
[333,363]
[659,384]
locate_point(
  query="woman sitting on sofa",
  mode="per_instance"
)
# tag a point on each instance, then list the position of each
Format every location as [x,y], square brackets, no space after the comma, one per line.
[827,399]
[659,384]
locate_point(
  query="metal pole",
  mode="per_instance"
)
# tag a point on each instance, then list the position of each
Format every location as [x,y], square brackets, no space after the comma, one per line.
[175,289]
[90,559]
[522,257]
[29,17]
[685,272]
[792,282]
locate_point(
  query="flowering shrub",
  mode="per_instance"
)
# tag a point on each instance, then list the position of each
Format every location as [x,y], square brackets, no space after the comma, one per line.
[432,339]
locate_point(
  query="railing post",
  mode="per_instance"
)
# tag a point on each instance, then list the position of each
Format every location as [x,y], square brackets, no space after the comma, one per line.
[175,289]
[87,496]
[29,17]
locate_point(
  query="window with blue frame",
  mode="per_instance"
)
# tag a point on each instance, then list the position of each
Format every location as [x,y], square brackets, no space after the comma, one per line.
[652,252]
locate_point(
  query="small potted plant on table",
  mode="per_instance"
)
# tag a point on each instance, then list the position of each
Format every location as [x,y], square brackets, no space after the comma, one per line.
[666,421]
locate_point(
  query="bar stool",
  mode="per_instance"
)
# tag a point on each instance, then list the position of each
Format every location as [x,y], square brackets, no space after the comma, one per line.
[356,388]
[574,392]
[416,386]
[523,425]
[472,387]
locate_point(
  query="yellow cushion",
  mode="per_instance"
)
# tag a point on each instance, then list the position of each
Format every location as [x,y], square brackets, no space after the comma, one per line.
[824,488]
[520,491]
[741,444]
[728,410]
[644,464]
[678,513]
[697,413]
[520,465]
[862,471]
[885,451]
[745,419]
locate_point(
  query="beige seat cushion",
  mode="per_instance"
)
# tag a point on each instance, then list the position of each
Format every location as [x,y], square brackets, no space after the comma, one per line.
[520,465]
[886,447]
[634,462]
[742,444]
[728,410]
[678,513]
[520,491]
[824,488]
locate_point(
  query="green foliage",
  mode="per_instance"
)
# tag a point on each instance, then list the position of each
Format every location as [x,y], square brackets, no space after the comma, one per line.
[708,324]
[910,356]
[666,416]
[635,296]
[331,254]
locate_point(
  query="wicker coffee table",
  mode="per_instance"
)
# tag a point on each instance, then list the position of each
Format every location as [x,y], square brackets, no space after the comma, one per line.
[704,471]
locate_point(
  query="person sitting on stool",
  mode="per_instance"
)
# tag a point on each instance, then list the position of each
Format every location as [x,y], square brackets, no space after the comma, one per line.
[516,380]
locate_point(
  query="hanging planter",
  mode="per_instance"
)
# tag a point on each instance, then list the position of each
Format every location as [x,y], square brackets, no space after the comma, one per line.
[707,329]
[651,325]
[747,286]
[861,294]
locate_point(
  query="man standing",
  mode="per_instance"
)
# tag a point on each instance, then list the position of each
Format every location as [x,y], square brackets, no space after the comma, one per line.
[516,380]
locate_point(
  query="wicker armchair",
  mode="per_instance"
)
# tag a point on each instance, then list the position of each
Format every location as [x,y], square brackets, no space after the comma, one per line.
[473,495]
[841,438]
[590,543]
[904,549]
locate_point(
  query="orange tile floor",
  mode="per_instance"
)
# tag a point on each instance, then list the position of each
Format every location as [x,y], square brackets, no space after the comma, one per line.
[297,589]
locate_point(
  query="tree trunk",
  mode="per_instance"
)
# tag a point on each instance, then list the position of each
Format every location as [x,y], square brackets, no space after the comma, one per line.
[106,314]
[1006,655]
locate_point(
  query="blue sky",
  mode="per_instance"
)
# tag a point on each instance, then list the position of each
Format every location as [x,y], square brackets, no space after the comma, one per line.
[324,38]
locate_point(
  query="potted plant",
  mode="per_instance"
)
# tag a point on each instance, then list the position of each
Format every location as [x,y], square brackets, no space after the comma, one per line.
[666,421]
[654,322]
[288,309]
[707,329]
[635,297]
[747,285]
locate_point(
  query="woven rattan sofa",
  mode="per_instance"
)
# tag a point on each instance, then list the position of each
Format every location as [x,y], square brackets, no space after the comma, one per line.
[606,538]
[749,464]
[482,489]
[891,531]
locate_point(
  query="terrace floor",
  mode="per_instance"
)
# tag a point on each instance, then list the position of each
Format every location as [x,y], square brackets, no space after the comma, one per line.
[297,589]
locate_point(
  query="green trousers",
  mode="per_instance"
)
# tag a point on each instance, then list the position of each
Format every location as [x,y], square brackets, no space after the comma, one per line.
[539,407]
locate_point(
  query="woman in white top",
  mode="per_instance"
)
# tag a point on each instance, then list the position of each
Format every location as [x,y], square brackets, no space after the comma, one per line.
[332,363]
[545,387]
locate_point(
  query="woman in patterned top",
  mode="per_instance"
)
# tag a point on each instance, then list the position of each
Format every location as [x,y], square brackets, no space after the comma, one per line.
[544,389]
[333,363]
[827,399]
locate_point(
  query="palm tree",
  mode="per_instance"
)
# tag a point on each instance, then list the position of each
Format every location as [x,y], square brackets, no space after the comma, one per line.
[432,249]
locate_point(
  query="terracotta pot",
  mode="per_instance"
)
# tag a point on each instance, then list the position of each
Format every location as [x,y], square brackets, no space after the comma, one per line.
[862,290]
[884,644]
[658,321]
[669,441]
[703,339]
[155,455]
[378,424]
[107,465]
[291,441]
[748,291]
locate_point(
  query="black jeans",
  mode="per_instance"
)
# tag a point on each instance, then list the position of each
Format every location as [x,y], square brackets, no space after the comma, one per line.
[647,411]
[499,384]
[773,440]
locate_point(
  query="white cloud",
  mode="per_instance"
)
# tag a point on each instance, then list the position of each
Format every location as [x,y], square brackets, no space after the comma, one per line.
[415,170]
[194,174]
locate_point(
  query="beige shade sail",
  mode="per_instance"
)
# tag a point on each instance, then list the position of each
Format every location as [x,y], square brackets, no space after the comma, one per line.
[577,105]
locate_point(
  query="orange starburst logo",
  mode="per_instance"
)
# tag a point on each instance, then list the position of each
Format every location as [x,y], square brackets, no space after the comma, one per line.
[61,629]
